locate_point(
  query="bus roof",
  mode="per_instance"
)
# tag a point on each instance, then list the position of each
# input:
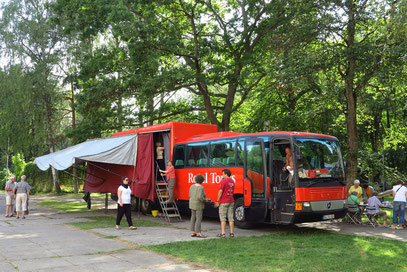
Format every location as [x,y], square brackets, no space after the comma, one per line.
[195,132]
[223,135]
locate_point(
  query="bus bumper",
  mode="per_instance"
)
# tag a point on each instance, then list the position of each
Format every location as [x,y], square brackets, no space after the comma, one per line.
[320,210]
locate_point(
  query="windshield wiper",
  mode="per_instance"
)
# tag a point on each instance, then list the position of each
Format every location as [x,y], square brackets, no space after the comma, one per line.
[319,180]
[316,182]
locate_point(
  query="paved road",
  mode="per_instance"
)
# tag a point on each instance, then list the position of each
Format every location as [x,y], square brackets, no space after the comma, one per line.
[42,242]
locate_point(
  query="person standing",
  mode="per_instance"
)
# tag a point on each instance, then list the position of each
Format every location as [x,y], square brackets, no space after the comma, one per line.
[399,204]
[124,204]
[197,204]
[159,150]
[21,195]
[357,188]
[367,191]
[289,165]
[170,173]
[10,185]
[225,202]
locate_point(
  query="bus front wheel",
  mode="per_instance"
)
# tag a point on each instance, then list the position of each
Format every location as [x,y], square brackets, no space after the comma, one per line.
[238,215]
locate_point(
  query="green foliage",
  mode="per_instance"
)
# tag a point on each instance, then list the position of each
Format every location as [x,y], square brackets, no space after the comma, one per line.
[243,65]
[374,164]
[19,164]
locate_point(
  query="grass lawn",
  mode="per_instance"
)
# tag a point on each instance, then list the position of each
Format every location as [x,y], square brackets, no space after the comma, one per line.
[66,206]
[307,250]
[110,222]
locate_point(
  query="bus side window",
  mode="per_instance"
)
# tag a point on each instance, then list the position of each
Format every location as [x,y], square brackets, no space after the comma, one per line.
[179,156]
[197,154]
[223,153]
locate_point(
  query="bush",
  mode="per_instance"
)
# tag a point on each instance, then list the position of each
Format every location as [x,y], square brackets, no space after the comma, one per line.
[41,181]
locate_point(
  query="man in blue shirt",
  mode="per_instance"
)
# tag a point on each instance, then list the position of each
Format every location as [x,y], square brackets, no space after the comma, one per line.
[373,205]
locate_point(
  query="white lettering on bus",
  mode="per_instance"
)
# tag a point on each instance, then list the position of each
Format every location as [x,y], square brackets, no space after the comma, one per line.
[214,178]
[191,178]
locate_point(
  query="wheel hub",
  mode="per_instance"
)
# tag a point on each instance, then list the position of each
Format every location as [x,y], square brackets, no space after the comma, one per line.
[239,213]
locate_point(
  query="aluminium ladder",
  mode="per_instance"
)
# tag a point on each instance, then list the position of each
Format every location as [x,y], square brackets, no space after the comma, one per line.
[169,209]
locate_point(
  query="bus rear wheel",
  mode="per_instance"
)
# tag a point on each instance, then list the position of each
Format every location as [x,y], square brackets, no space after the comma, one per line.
[146,206]
[238,215]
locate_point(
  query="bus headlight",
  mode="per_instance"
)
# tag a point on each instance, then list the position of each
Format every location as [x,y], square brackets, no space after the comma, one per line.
[307,204]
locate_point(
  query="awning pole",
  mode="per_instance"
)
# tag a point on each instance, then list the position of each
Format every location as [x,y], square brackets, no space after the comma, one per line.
[106,203]
[139,207]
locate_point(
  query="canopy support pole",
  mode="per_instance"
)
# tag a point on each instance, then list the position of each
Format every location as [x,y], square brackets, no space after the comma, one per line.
[106,203]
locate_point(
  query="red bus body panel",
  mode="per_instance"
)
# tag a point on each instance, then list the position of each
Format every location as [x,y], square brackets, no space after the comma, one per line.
[213,176]
[320,193]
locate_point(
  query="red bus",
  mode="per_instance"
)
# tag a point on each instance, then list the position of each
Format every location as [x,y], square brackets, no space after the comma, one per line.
[314,190]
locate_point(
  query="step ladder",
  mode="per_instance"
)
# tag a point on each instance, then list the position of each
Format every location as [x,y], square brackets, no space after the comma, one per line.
[169,209]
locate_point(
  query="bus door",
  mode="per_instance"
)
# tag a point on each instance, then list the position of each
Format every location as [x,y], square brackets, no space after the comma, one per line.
[255,180]
[282,183]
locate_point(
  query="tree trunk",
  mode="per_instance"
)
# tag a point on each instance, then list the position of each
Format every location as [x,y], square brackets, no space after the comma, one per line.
[351,120]
[352,133]
[74,170]
[150,108]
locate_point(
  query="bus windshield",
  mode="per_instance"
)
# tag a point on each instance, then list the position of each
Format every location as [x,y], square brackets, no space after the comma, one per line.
[318,158]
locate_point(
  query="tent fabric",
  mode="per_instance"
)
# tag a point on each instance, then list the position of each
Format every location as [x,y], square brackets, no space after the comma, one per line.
[116,150]
[143,186]
[106,178]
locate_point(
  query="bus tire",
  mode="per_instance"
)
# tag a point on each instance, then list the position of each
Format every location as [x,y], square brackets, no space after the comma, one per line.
[146,206]
[238,215]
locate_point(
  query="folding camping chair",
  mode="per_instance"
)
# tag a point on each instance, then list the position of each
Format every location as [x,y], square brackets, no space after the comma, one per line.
[371,216]
[353,217]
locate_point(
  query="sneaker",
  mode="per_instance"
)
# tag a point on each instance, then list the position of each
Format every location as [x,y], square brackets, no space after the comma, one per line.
[399,227]
[394,227]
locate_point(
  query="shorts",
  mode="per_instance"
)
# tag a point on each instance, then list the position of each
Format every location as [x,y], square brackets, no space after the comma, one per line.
[9,200]
[226,209]
[21,202]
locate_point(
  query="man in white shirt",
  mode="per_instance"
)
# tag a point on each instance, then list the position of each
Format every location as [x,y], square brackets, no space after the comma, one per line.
[399,204]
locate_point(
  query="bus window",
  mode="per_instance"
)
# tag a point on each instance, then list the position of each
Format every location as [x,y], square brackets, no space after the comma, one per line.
[255,171]
[197,154]
[179,156]
[223,153]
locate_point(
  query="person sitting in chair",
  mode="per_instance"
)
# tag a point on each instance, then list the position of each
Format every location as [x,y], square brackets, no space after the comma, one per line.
[353,204]
[373,208]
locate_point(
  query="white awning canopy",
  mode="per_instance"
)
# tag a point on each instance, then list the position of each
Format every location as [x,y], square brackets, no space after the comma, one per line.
[115,150]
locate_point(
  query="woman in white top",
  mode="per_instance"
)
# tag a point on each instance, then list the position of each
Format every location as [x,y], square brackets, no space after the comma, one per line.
[124,204]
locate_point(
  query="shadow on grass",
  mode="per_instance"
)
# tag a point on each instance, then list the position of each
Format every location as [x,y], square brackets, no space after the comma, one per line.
[297,249]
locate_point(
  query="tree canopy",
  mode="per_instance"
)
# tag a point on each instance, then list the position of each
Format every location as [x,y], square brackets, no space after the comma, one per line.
[81,69]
